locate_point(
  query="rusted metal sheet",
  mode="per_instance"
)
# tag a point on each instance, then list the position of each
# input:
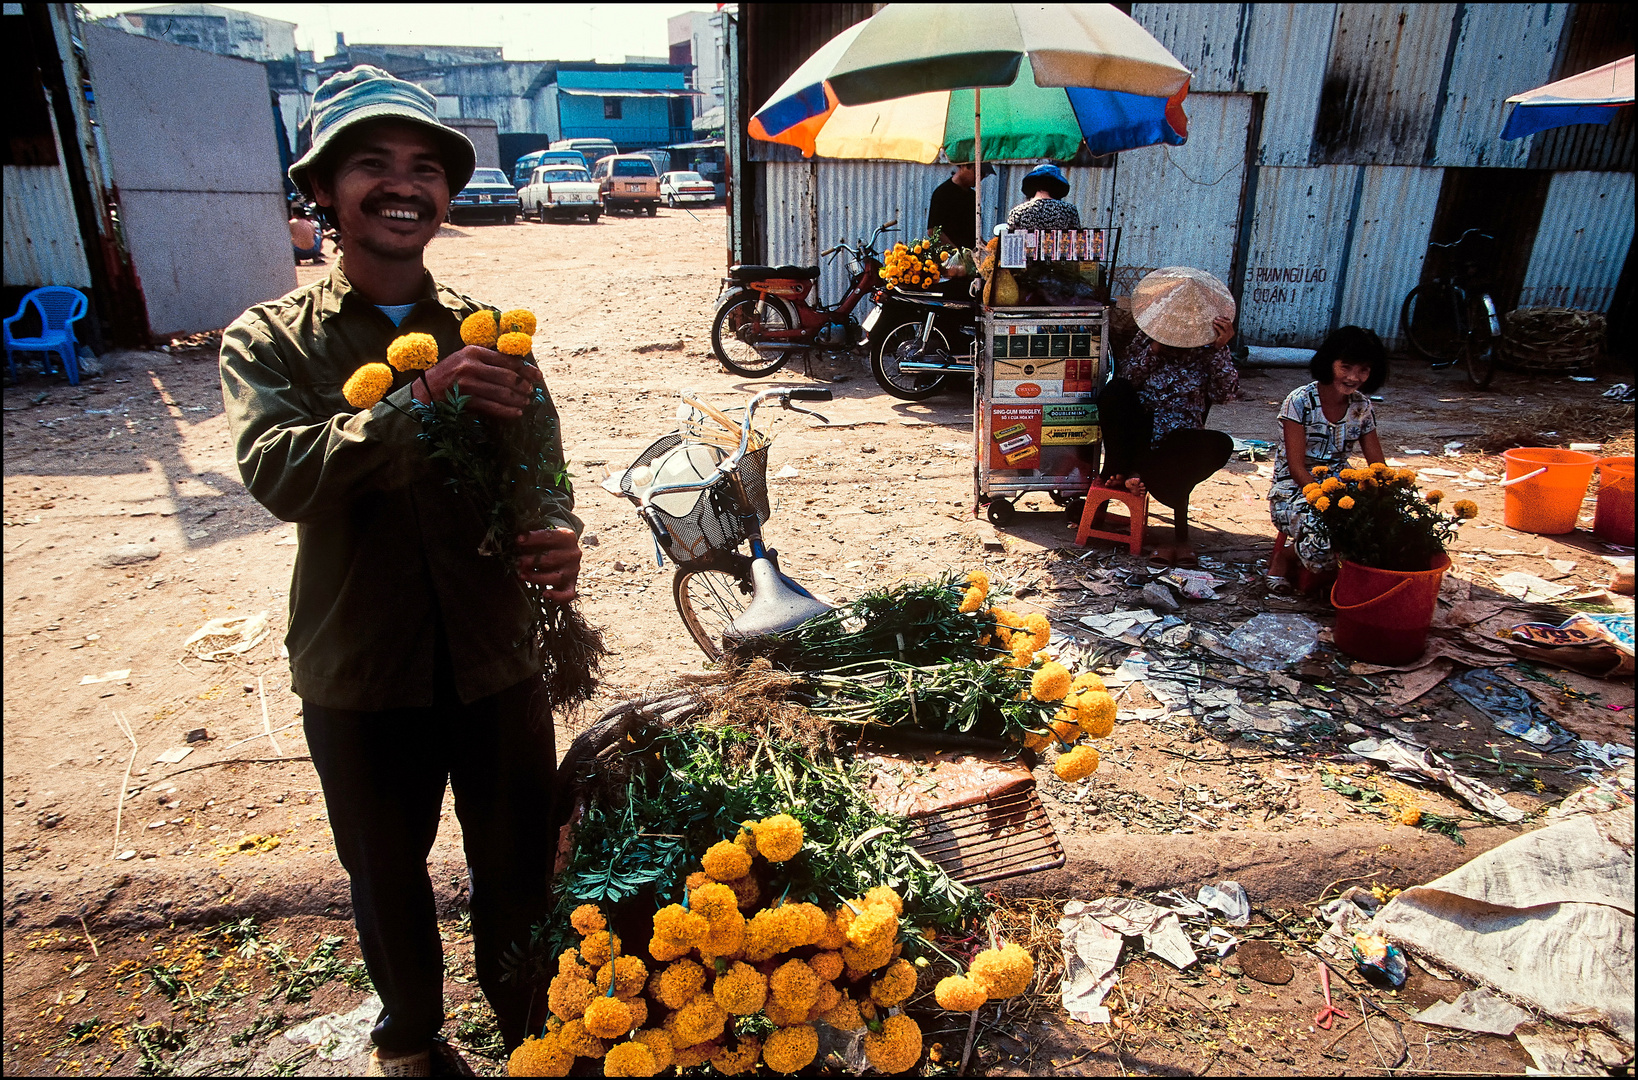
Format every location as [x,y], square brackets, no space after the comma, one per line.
[1382,83]
[1208,39]
[42,241]
[1287,47]
[1501,49]
[1596,35]
[786,222]
[1582,242]
[1298,235]
[856,196]
[1391,225]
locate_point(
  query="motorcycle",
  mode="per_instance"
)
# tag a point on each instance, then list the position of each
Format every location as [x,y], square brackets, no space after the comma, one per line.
[920,339]
[767,312]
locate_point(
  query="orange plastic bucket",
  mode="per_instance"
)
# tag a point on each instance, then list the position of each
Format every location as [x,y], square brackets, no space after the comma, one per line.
[1547,503]
[1383,615]
[1613,521]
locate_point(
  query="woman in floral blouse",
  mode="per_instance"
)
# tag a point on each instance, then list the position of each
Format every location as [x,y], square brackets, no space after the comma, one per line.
[1321,422]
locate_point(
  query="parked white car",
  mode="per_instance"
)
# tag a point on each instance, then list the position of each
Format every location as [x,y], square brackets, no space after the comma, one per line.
[557,191]
[686,188]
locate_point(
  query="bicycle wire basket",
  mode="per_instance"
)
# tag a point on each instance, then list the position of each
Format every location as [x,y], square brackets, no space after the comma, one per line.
[715,521]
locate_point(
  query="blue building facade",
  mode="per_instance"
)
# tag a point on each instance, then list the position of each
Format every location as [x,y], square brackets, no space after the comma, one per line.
[637,106]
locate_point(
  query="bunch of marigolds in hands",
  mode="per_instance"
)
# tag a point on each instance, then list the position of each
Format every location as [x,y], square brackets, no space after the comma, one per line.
[510,332]
[735,977]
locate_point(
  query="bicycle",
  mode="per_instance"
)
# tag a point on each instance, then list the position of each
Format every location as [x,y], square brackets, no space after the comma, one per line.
[703,502]
[1453,320]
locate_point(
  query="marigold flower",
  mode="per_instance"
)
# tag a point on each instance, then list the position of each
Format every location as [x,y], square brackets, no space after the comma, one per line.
[1007,618]
[958,993]
[1312,496]
[480,328]
[782,1015]
[544,1056]
[1310,491]
[659,1044]
[1410,815]
[807,923]
[883,896]
[863,959]
[766,935]
[827,965]
[1066,730]
[1321,470]
[569,964]
[1465,509]
[876,925]
[726,938]
[971,601]
[629,1059]
[897,983]
[894,1048]
[698,879]
[514,344]
[678,926]
[794,985]
[412,352]
[829,997]
[568,995]
[1050,682]
[368,385]
[628,974]
[741,1059]
[741,990]
[1087,680]
[599,948]
[790,1049]
[844,1015]
[1345,503]
[1331,486]
[586,919]
[1095,711]
[517,321]
[1037,740]
[746,891]
[979,580]
[1434,497]
[688,1057]
[1076,763]
[607,1017]
[726,861]
[713,901]
[778,838]
[679,983]
[835,934]
[663,949]
[701,1020]
[574,1038]
[639,1011]
[1322,504]
[1005,972]
[1023,650]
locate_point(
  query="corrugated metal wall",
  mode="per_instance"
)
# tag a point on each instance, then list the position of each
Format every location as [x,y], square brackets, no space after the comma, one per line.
[1391,224]
[1585,231]
[1298,233]
[42,241]
[1287,49]
[1519,39]
[1208,39]
[1382,84]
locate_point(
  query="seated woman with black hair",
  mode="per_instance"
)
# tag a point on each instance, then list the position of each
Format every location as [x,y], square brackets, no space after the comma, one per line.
[1320,423]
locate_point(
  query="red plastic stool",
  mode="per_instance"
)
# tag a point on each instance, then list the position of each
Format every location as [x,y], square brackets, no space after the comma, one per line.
[1098,499]
[1285,564]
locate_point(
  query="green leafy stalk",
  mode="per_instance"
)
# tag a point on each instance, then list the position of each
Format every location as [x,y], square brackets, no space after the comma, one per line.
[973,697]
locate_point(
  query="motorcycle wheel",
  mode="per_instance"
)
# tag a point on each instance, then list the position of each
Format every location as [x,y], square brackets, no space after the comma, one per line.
[884,363]
[739,355]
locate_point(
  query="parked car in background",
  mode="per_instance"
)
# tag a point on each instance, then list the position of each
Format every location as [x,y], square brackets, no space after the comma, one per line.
[686,189]
[488,195]
[555,192]
[528,163]
[661,159]
[590,149]
[628,182]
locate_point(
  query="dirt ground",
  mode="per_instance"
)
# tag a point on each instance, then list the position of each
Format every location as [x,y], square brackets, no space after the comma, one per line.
[227,919]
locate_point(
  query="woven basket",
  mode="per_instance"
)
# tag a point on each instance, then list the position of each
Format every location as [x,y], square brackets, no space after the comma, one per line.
[1550,339]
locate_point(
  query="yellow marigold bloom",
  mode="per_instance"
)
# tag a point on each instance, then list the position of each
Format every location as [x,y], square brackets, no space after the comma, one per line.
[1076,763]
[412,352]
[726,938]
[1333,485]
[578,1041]
[599,948]
[1381,467]
[514,344]
[781,1015]
[544,1056]
[629,1059]
[791,1049]
[1322,504]
[875,925]
[1312,496]
[568,995]
[664,949]
[1407,476]
[1040,629]
[971,601]
[894,1048]
[1005,972]
[679,983]
[1310,491]
[883,896]
[746,891]
[688,1057]
[569,964]
[741,1059]
[741,990]
[368,385]
[1434,497]
[958,993]
[713,901]
[1321,470]
[844,1015]
[794,985]
[1410,815]
[628,974]
[1087,680]
[639,1011]
[480,328]
[726,861]
[829,997]
[979,580]
[778,838]
[697,879]
[1050,682]
[835,935]
[1037,740]
[517,321]
[896,985]
[1066,730]
[678,926]
[827,965]
[586,919]
[1345,503]
[659,1044]
[701,1020]
[1465,509]
[1023,650]
[607,1017]
[1009,619]
[807,922]
[766,935]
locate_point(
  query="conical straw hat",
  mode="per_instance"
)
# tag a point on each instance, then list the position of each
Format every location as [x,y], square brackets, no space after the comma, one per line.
[1176,304]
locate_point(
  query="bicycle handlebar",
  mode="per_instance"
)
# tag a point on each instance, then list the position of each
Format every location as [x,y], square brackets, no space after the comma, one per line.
[730,463]
[1460,239]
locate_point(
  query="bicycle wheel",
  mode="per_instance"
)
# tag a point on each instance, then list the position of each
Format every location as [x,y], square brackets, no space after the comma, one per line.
[884,363]
[708,601]
[732,336]
[1428,320]
[1479,352]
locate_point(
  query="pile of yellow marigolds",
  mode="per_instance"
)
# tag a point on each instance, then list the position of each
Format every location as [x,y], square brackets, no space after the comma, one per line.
[724,955]
[914,264]
[510,332]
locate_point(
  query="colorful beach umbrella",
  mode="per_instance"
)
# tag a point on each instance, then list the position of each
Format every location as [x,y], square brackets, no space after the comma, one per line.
[1588,98]
[900,86]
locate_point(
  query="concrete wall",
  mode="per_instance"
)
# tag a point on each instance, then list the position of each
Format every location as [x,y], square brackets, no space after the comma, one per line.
[195,162]
[485,142]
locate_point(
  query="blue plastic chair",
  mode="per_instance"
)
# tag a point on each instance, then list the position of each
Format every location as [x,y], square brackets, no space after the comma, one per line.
[60,307]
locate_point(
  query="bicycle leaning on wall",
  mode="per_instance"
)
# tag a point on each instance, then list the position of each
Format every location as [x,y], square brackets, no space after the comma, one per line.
[1453,320]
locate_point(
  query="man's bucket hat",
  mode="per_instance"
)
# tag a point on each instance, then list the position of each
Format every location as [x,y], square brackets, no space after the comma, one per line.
[1176,304]
[1049,177]
[368,93]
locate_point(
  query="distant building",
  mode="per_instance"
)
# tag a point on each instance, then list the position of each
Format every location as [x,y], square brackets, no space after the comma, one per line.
[638,106]
[695,38]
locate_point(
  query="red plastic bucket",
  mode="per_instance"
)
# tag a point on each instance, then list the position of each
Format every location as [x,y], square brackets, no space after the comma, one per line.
[1547,503]
[1383,615]
[1613,520]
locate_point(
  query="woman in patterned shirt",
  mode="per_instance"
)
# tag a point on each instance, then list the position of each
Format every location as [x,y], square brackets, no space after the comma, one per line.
[1044,207]
[1321,422]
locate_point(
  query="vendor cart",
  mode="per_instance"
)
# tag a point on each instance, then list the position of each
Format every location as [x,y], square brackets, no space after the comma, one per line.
[1039,370]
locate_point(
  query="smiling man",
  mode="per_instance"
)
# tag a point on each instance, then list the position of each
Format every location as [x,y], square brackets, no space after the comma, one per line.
[408,648]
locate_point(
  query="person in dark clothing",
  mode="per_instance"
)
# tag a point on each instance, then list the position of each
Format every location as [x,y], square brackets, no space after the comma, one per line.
[951,208]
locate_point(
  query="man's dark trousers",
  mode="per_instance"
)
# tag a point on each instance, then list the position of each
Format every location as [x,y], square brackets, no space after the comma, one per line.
[384,775]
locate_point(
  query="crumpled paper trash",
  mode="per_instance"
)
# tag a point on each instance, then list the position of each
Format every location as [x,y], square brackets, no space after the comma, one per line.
[222,639]
[1403,761]
[1091,963]
[351,1031]
[1348,914]
[1160,928]
[1482,1010]
[1230,899]
[1584,1052]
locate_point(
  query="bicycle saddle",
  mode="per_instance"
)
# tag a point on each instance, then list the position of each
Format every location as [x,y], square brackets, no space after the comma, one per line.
[777,606]
[751,272]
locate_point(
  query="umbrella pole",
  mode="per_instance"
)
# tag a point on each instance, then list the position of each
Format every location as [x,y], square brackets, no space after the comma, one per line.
[978,176]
